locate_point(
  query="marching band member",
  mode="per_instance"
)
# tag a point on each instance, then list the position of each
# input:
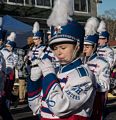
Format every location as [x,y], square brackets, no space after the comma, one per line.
[11,60]
[103,49]
[4,111]
[97,65]
[67,92]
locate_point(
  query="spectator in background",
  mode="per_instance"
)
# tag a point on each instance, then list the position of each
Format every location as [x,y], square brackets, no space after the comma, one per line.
[22,69]
[21,77]
[29,45]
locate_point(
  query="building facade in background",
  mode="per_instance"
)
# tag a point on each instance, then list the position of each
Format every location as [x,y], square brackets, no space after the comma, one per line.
[30,11]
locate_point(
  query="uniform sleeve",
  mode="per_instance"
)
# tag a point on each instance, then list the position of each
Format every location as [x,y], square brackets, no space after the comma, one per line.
[74,95]
[104,78]
[15,59]
[34,95]
[110,57]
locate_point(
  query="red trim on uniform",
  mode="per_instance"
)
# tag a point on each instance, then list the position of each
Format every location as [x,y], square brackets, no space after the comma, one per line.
[35,92]
[73,117]
[49,88]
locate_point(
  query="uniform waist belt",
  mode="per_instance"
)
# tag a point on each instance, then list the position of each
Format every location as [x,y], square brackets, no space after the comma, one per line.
[32,66]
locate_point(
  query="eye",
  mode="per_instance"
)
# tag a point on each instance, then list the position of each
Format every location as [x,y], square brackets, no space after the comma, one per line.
[63,48]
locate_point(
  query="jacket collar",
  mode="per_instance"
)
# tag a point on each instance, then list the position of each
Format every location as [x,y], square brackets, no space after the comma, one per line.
[72,65]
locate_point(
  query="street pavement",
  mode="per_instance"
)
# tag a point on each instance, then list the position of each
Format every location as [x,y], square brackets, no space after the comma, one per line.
[110,111]
[23,112]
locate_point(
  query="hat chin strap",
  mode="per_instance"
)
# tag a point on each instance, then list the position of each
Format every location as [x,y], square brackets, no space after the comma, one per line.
[75,52]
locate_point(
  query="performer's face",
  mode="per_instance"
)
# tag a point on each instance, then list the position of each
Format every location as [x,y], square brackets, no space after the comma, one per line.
[64,52]
[9,47]
[88,49]
[102,41]
[37,41]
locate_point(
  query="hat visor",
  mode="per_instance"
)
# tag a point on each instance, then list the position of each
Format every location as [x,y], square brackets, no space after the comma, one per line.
[88,43]
[102,37]
[36,37]
[61,40]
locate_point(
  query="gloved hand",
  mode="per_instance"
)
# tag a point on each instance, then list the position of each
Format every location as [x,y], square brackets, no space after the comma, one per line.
[36,73]
[46,67]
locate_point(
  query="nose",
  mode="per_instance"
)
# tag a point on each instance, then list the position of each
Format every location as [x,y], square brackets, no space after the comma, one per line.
[59,52]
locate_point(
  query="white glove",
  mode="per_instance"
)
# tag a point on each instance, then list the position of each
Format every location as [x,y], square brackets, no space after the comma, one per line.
[46,67]
[36,73]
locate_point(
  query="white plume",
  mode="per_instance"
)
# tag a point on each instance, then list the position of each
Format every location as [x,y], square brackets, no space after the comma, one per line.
[0,21]
[61,13]
[12,36]
[36,27]
[102,26]
[91,26]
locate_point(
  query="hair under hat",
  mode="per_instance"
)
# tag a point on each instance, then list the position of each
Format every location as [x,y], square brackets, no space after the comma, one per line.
[91,36]
[36,31]
[102,30]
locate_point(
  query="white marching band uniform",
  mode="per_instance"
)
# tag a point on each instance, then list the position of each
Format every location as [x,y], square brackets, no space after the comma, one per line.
[101,70]
[76,88]
[11,59]
[103,49]
[107,53]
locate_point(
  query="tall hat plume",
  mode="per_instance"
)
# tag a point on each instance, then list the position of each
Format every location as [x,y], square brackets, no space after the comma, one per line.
[91,26]
[102,27]
[36,27]
[11,39]
[61,13]
[63,27]
[91,36]
[102,30]
[36,31]
[12,36]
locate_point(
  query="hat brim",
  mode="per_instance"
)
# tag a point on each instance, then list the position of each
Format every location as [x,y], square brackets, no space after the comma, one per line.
[61,40]
[88,43]
[36,37]
[102,37]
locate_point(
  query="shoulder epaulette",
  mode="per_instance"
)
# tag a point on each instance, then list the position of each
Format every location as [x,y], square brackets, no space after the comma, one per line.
[82,71]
